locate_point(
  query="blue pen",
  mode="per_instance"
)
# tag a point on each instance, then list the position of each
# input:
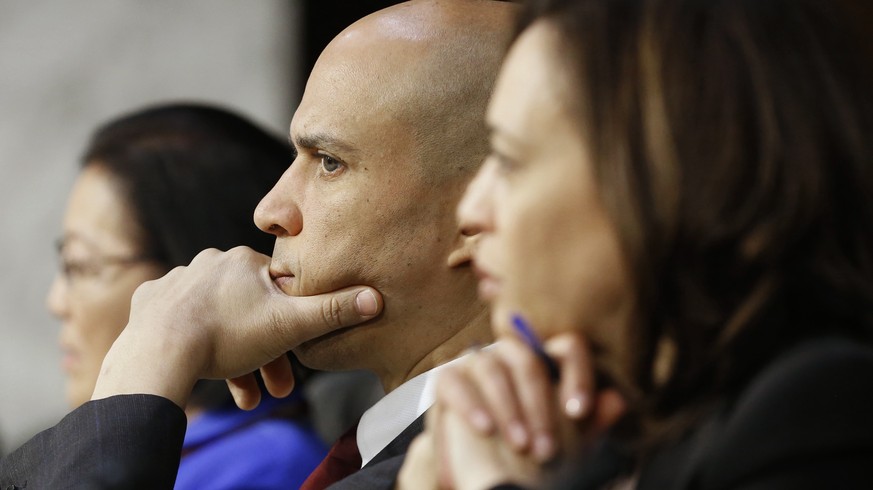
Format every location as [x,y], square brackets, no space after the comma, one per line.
[529,338]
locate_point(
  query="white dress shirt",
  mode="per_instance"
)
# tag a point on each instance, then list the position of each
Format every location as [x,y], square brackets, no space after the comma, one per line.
[385,420]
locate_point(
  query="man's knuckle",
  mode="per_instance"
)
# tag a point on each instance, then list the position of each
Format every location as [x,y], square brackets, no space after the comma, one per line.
[331,312]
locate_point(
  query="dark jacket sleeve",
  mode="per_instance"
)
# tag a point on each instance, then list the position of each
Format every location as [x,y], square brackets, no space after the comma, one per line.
[125,441]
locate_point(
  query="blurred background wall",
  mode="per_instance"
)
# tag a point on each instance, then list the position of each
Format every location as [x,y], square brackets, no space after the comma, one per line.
[67,66]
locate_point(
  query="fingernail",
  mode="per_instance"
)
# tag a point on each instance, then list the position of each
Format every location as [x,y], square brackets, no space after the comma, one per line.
[543,447]
[517,434]
[481,421]
[365,303]
[576,406]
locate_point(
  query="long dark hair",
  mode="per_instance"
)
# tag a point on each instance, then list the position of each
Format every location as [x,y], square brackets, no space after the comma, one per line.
[731,140]
[192,176]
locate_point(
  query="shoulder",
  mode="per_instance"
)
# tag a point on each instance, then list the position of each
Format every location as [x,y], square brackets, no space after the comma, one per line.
[826,384]
[811,405]
[124,441]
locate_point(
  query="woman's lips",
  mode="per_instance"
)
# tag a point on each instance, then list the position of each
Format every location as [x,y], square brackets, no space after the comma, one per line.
[69,359]
[489,286]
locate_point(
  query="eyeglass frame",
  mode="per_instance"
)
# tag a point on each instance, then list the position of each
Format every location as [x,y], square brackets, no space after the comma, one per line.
[76,270]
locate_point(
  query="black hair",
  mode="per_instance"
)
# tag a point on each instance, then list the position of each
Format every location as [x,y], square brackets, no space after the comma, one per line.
[191,176]
[731,144]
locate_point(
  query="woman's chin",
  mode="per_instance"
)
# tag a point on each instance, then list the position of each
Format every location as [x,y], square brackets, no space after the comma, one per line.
[77,394]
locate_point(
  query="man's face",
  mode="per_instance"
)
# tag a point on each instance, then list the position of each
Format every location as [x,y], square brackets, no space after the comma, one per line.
[355,208]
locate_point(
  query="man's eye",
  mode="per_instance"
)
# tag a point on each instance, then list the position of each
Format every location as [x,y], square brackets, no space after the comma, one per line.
[330,164]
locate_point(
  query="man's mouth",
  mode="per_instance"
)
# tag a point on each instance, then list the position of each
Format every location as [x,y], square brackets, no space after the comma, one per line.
[283,280]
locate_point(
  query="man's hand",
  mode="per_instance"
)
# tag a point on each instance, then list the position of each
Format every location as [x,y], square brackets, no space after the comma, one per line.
[221,317]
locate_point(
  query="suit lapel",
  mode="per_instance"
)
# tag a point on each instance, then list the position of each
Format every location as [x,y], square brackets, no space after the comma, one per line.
[401,443]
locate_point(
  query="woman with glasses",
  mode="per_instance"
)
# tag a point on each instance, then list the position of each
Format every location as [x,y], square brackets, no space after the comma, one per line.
[677,220]
[155,188]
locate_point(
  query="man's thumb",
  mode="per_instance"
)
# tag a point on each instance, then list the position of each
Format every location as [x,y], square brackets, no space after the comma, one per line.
[313,316]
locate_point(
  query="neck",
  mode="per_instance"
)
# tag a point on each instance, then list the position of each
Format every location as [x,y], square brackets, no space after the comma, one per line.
[475,332]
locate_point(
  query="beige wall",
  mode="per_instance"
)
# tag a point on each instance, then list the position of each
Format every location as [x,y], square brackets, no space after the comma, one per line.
[66,66]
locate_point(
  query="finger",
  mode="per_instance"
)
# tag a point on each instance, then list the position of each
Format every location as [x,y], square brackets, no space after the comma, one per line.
[419,466]
[435,436]
[577,384]
[477,461]
[495,385]
[611,407]
[535,395]
[245,391]
[278,377]
[455,392]
[302,318]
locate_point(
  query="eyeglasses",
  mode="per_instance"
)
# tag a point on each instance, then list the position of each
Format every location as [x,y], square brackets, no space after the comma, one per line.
[75,271]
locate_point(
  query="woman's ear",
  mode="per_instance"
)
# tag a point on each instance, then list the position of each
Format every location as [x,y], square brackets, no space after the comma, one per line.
[463,252]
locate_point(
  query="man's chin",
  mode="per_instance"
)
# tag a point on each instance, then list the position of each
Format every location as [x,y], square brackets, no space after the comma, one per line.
[333,351]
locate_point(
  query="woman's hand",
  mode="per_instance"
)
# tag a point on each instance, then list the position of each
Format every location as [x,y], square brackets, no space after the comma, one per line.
[520,419]
[448,455]
[507,388]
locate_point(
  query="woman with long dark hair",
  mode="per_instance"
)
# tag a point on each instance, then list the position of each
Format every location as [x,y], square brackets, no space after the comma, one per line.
[156,187]
[679,203]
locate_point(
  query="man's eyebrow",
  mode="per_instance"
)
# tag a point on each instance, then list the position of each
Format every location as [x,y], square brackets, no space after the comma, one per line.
[322,141]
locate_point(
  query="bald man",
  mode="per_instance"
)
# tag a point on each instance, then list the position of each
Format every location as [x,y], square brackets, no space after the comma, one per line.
[389,132]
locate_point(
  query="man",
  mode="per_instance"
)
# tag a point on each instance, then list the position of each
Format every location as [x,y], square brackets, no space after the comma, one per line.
[388,133]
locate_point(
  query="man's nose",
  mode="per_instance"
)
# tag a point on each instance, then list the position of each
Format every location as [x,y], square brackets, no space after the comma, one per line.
[476,209]
[278,213]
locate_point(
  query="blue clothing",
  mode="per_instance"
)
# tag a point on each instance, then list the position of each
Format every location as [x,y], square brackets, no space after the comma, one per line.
[236,449]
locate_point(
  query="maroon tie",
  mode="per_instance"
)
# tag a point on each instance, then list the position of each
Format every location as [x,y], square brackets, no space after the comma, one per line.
[342,460]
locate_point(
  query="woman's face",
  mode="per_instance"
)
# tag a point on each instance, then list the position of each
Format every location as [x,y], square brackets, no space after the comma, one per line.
[100,269]
[547,249]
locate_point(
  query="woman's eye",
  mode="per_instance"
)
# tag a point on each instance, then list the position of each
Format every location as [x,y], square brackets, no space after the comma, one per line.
[76,269]
[505,165]
[330,164]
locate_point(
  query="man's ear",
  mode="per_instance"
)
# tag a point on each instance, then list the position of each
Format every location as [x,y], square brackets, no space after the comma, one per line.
[463,252]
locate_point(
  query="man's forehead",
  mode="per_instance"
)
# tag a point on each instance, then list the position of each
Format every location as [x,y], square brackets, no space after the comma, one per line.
[349,114]
[323,140]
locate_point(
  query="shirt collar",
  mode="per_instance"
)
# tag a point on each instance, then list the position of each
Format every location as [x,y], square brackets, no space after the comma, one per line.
[385,420]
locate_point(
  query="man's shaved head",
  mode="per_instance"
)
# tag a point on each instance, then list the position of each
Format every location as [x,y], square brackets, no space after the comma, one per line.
[389,132]
[431,65]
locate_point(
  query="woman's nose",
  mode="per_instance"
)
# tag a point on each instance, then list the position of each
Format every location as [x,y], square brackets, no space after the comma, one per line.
[476,209]
[57,301]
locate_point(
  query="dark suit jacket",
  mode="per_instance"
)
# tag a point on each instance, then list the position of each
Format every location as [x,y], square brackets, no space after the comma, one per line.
[135,442]
[121,442]
[381,472]
[805,422]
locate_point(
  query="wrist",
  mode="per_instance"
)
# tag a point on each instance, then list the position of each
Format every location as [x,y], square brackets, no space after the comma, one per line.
[151,364]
